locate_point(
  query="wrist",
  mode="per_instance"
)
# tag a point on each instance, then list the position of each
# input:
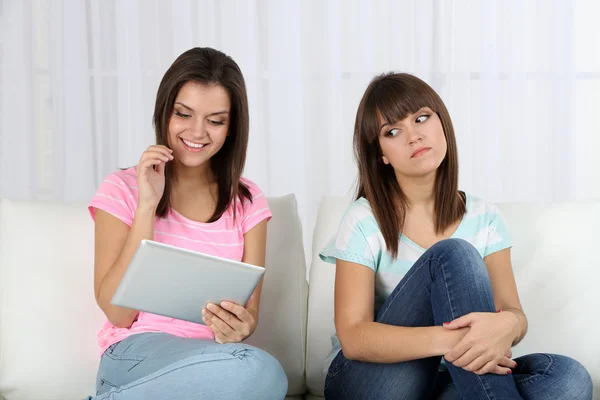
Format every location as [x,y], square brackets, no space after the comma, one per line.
[516,327]
[445,340]
[254,312]
[146,209]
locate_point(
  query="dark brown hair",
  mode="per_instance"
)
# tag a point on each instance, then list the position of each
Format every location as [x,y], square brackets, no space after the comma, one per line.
[210,67]
[395,96]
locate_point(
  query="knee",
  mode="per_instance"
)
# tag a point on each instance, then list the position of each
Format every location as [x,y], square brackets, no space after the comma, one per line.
[459,253]
[575,378]
[455,248]
[269,379]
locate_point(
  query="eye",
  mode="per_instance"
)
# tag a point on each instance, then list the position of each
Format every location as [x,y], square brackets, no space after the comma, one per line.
[182,115]
[422,118]
[392,132]
[215,122]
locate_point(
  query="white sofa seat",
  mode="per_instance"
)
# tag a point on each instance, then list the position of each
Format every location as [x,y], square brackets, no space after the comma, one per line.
[49,319]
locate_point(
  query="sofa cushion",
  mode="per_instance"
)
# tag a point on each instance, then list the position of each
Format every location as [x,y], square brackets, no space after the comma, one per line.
[557,273]
[320,325]
[49,318]
[282,319]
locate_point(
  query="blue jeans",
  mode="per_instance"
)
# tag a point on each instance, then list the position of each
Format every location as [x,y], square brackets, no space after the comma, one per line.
[448,281]
[161,366]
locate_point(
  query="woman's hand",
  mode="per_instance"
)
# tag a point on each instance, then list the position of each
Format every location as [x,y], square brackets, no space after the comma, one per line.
[230,322]
[151,175]
[486,348]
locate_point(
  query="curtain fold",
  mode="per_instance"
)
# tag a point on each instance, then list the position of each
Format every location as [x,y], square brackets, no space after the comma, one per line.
[78,81]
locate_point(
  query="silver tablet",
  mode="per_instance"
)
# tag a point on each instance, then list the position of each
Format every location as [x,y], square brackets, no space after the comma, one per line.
[178,283]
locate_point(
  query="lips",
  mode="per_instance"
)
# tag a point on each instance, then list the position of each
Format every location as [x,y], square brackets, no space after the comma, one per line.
[419,152]
[193,145]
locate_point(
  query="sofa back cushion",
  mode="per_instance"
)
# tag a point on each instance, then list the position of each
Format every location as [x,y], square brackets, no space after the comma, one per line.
[49,317]
[320,324]
[558,276]
[282,320]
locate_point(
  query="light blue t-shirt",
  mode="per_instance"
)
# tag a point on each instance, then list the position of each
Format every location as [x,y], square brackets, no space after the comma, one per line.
[359,240]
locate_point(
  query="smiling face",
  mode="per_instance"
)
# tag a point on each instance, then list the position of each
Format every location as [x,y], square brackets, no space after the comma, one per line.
[199,123]
[414,146]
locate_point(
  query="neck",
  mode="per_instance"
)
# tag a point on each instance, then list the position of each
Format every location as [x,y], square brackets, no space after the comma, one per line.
[419,192]
[192,179]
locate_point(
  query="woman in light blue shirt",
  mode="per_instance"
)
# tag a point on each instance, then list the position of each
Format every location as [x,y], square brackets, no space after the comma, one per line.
[423,270]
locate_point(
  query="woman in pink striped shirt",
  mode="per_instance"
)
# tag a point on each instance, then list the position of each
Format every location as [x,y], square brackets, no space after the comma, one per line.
[186,191]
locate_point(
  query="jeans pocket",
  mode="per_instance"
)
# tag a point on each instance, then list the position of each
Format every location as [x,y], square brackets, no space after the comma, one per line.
[115,359]
[111,348]
[105,386]
[125,361]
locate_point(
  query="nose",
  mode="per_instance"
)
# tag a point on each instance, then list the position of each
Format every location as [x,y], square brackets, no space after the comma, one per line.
[198,129]
[414,135]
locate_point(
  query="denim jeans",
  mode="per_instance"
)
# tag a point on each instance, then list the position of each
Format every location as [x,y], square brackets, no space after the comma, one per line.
[150,366]
[448,281]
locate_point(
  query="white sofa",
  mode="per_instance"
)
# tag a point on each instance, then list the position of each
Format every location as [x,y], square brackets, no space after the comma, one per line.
[49,320]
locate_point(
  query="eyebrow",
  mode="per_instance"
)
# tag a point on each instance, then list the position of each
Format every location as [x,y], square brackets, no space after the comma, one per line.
[209,115]
[184,106]
[218,113]
[418,111]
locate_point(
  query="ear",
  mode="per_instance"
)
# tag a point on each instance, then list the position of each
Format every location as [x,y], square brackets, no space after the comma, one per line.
[385,160]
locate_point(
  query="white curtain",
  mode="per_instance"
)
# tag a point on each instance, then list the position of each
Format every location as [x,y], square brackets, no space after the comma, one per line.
[521,80]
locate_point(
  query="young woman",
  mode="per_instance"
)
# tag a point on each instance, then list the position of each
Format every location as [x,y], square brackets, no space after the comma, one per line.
[423,271]
[186,191]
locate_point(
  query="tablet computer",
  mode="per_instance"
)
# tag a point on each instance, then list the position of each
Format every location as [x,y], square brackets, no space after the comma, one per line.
[178,283]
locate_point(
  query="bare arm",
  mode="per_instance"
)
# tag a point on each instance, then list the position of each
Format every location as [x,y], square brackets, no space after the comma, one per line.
[365,340]
[115,245]
[233,323]
[255,244]
[504,287]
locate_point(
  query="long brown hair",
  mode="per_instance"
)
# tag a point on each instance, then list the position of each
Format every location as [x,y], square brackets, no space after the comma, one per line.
[210,67]
[394,96]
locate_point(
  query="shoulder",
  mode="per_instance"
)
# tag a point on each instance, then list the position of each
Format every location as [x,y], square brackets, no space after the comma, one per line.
[117,194]
[358,238]
[254,189]
[485,226]
[121,181]
[128,175]
[358,222]
[478,208]
[255,209]
[360,212]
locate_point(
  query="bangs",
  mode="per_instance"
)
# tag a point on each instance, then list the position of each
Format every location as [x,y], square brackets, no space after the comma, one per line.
[393,100]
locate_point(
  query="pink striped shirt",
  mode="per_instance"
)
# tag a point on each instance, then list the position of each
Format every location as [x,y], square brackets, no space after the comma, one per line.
[118,195]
